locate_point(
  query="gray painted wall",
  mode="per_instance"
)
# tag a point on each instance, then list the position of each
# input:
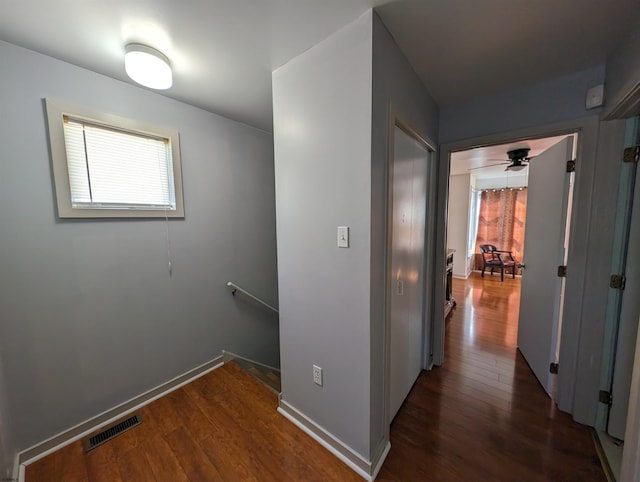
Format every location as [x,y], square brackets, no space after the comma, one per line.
[322,139]
[556,100]
[623,71]
[394,84]
[90,316]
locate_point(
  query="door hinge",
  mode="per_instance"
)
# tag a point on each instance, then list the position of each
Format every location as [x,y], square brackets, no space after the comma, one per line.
[553,368]
[571,165]
[631,154]
[605,397]
[562,271]
[618,281]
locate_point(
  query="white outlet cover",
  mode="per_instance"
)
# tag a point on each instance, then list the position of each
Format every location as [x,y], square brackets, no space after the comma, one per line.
[317,375]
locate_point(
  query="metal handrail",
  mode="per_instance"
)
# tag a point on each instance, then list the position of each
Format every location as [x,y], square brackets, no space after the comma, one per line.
[235,288]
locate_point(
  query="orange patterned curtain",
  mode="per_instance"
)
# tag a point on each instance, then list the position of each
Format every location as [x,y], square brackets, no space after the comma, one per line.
[501,221]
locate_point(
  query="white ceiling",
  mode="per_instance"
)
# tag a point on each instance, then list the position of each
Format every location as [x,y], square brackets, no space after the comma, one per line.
[223,51]
[477,161]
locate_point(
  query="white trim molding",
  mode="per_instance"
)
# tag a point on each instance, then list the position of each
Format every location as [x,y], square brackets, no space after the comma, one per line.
[631,453]
[367,469]
[20,471]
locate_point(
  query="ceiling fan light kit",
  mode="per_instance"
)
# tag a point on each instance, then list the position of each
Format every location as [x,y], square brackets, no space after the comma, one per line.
[518,157]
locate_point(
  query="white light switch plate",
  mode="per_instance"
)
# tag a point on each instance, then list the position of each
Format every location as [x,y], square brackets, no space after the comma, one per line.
[343,236]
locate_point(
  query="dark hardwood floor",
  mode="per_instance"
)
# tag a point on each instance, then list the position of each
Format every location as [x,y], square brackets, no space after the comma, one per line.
[483,416]
[480,417]
[223,426]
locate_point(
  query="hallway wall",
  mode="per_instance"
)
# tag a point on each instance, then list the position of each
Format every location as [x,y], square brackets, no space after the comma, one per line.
[322,138]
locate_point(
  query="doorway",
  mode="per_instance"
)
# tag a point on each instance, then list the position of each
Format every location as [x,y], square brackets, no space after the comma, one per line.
[489,202]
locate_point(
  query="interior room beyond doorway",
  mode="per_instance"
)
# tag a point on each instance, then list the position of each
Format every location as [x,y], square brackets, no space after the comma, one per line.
[492,207]
[487,201]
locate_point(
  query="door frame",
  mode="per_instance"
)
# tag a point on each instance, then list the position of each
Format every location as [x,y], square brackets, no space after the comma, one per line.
[623,134]
[630,470]
[396,119]
[572,335]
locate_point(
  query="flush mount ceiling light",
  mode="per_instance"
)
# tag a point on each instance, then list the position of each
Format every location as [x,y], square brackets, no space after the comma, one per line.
[147,66]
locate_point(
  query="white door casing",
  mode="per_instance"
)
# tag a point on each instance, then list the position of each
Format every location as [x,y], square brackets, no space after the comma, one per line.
[541,292]
[628,325]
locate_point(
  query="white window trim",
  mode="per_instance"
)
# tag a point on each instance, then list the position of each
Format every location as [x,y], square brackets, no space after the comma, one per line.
[56,110]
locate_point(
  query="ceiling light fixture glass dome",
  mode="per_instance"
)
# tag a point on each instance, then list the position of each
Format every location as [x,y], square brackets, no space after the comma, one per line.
[148,67]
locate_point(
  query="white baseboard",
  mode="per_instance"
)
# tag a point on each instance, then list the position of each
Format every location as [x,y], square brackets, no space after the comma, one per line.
[381,459]
[228,356]
[50,445]
[364,468]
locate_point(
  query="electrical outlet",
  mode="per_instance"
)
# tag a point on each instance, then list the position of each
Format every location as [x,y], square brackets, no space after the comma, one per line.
[317,375]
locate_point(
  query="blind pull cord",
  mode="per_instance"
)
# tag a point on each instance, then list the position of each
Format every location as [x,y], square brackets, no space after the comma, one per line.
[166,219]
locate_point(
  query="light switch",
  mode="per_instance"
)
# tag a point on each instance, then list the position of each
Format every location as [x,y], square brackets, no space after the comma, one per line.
[343,236]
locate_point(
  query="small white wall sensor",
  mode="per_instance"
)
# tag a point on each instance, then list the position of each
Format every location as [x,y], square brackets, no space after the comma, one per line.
[595,97]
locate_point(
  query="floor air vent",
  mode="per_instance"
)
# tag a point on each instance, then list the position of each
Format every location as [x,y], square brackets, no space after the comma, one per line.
[92,441]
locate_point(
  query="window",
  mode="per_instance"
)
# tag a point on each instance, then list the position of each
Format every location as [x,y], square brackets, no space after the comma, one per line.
[108,166]
[474,216]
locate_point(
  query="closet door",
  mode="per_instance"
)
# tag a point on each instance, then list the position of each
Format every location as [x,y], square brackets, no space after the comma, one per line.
[407,297]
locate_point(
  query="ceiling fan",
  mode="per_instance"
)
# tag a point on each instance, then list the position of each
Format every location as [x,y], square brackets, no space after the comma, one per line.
[518,160]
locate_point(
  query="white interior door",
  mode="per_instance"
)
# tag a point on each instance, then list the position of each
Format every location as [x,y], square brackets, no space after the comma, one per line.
[541,295]
[407,266]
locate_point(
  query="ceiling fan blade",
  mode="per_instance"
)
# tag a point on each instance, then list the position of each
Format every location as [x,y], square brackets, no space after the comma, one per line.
[490,165]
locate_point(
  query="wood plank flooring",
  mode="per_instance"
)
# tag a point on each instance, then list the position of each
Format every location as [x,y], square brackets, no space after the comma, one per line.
[223,426]
[480,417]
[483,416]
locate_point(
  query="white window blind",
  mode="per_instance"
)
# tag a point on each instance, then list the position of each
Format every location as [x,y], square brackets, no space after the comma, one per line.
[107,166]
[116,169]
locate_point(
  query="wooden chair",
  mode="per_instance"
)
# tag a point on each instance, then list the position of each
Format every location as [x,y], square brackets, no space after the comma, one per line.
[494,258]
